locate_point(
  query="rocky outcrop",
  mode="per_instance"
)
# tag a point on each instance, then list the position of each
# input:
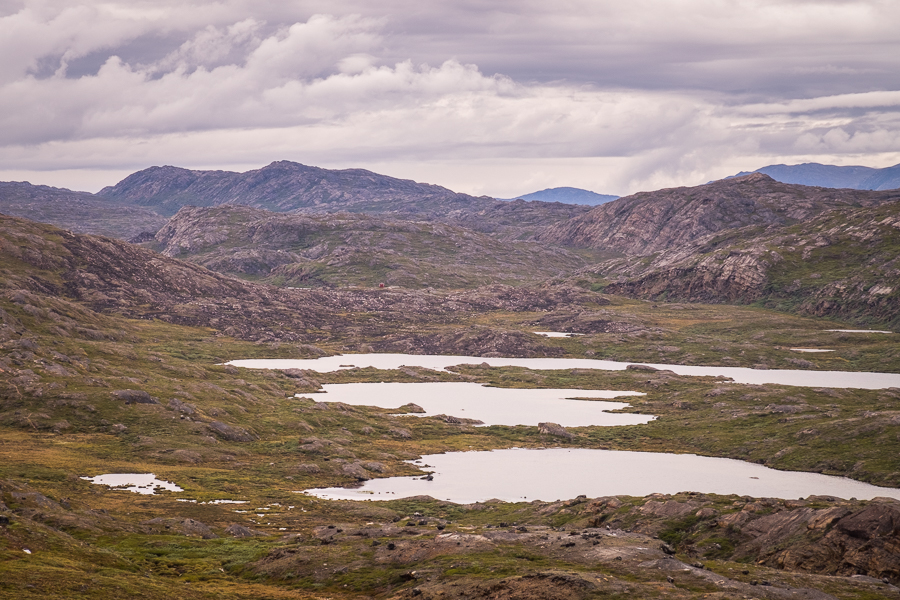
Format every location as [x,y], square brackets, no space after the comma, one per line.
[239,531]
[187,527]
[818,535]
[554,429]
[230,432]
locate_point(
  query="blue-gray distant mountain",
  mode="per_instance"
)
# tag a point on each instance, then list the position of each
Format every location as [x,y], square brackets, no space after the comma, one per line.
[568,195]
[830,176]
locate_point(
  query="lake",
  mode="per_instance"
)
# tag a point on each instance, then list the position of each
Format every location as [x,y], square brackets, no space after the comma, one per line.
[520,475]
[833,379]
[491,405]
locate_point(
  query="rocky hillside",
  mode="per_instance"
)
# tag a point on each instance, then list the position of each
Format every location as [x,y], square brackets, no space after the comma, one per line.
[651,222]
[844,263]
[344,248]
[80,212]
[40,262]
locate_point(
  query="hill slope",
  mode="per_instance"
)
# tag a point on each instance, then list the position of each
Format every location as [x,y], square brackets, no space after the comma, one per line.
[650,222]
[80,212]
[341,249]
[844,263]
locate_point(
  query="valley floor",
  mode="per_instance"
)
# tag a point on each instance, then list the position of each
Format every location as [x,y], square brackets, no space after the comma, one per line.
[141,395]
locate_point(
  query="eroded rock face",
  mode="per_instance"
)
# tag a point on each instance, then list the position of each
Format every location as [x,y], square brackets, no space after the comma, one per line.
[861,542]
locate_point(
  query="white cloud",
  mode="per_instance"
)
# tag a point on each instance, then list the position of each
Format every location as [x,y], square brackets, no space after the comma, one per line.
[645,93]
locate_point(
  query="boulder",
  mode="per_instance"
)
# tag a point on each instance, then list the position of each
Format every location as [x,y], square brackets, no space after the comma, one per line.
[239,531]
[356,470]
[188,527]
[554,429]
[230,433]
[185,408]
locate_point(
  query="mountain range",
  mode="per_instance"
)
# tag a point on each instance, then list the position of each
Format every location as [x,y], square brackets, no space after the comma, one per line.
[291,225]
[831,176]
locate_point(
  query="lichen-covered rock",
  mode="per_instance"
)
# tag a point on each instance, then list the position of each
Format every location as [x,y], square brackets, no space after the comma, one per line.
[182,407]
[229,432]
[554,429]
[355,470]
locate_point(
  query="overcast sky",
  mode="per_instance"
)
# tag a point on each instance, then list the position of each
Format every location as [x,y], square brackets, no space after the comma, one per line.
[499,98]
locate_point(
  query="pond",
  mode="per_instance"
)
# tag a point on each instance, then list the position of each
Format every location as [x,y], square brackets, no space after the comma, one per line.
[139,483]
[859,330]
[521,475]
[810,378]
[491,405]
[555,334]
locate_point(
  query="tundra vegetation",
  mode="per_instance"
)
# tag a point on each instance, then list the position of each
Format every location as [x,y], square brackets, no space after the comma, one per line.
[112,360]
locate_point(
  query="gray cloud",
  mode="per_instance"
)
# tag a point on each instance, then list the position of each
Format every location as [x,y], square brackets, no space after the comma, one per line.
[608,95]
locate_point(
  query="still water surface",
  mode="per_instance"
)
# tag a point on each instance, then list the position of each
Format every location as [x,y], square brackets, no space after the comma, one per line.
[832,379]
[139,483]
[518,475]
[493,406]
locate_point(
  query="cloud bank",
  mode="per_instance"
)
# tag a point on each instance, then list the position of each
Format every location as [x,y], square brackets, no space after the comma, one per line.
[484,98]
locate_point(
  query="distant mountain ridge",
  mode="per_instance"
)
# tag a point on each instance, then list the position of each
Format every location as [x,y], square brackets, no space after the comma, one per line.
[284,186]
[831,176]
[567,195]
